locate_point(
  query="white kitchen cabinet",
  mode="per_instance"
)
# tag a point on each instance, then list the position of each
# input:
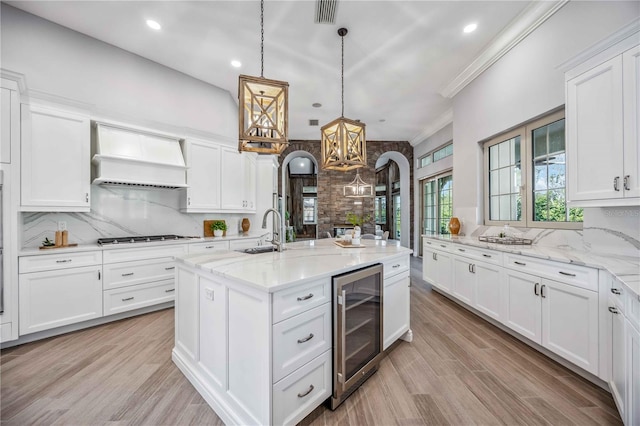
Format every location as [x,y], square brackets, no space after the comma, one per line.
[488,289]
[464,280]
[436,265]
[396,313]
[59,297]
[208,246]
[633,375]
[561,317]
[55,163]
[203,177]
[602,132]
[238,191]
[244,243]
[618,350]
[10,114]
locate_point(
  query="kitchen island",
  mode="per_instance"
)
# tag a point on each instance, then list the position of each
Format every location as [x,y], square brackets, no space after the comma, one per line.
[240,321]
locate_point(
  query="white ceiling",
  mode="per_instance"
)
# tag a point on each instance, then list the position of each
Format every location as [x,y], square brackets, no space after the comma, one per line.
[399,55]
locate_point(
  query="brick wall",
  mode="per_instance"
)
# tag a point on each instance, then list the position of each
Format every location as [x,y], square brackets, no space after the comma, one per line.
[332,205]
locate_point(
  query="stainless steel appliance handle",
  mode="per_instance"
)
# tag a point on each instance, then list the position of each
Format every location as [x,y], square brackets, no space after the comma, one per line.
[343,335]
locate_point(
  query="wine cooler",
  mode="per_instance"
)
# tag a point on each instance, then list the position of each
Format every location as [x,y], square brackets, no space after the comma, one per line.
[357,333]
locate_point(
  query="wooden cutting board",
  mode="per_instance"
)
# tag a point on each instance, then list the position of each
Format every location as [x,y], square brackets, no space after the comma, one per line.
[207,228]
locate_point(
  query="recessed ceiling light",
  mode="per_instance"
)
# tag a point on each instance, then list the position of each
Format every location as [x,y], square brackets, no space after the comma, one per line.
[382,120]
[153,24]
[236,64]
[470,28]
[316,104]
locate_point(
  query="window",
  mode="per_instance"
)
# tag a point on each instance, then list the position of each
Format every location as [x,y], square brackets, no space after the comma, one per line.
[437,204]
[436,155]
[309,210]
[380,209]
[526,175]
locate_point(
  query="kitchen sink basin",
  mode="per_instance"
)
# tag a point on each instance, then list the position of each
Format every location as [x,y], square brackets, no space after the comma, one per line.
[259,249]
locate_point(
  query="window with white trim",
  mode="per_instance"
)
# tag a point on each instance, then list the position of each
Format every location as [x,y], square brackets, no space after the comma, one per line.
[309,210]
[437,204]
[525,177]
[436,155]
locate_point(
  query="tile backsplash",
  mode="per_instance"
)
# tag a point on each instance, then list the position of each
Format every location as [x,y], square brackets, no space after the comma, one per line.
[123,211]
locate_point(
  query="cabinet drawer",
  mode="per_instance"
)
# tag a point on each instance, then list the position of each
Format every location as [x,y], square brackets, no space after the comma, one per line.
[298,340]
[139,296]
[295,396]
[142,253]
[475,253]
[436,245]
[396,265]
[290,302]
[208,246]
[137,272]
[580,276]
[48,262]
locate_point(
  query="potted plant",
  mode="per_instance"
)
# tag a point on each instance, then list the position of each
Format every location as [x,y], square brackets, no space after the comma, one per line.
[357,220]
[218,228]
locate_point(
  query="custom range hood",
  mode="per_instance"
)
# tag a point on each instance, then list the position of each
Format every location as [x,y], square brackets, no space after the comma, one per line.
[134,158]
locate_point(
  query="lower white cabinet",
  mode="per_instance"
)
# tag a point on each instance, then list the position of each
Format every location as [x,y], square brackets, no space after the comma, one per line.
[396,311]
[618,377]
[208,246]
[138,296]
[488,290]
[561,317]
[464,280]
[436,267]
[633,375]
[59,297]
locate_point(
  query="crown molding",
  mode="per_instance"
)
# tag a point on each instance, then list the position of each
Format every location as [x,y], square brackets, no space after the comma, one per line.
[18,78]
[613,39]
[524,24]
[433,127]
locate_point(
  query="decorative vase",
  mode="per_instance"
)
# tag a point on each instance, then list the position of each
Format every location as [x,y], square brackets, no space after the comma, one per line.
[218,233]
[454,225]
[245,225]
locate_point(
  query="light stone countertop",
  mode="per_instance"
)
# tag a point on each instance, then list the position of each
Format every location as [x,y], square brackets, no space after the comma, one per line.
[625,268]
[89,247]
[300,262]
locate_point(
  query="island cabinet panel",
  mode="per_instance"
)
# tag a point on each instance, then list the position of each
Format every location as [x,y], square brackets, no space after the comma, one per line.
[395,321]
[287,303]
[249,348]
[187,313]
[213,344]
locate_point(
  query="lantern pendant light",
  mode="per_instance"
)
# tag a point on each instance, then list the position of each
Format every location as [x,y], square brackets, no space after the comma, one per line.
[343,140]
[358,188]
[263,109]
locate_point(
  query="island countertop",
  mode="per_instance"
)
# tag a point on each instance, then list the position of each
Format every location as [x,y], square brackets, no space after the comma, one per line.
[297,264]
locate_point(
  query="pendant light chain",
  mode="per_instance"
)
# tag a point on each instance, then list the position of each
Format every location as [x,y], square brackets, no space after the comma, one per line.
[262,38]
[342,76]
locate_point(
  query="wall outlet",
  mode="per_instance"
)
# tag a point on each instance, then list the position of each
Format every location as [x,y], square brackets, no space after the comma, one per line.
[62,225]
[208,293]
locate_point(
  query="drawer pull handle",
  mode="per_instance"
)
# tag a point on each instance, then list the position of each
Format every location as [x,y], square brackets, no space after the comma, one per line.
[169,268]
[396,266]
[542,293]
[613,310]
[307,297]
[428,242]
[626,183]
[127,298]
[486,255]
[64,261]
[616,183]
[443,246]
[170,290]
[128,274]
[568,274]
[306,339]
[519,263]
[535,289]
[210,247]
[616,291]
[308,391]
[461,250]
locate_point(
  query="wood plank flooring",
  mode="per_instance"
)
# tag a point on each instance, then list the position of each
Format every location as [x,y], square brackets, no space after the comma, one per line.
[459,370]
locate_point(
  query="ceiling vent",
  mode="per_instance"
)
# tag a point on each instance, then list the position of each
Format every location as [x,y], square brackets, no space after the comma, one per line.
[326,11]
[314,122]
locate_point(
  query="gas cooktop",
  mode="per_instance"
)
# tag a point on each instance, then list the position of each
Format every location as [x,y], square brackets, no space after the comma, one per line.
[139,239]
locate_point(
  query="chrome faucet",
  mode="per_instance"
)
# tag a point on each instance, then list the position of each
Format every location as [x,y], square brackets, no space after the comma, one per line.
[278,242]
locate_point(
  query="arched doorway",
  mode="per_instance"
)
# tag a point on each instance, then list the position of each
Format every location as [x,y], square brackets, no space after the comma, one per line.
[299,199]
[401,200]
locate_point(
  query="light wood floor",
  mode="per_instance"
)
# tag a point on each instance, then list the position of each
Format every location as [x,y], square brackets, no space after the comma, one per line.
[459,370]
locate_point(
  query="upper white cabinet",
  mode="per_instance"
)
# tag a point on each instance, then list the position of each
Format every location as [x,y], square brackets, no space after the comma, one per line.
[238,191]
[10,114]
[602,131]
[220,179]
[203,176]
[55,160]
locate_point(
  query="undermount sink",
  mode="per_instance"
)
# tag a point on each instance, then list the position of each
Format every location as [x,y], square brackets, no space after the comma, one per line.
[259,249]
